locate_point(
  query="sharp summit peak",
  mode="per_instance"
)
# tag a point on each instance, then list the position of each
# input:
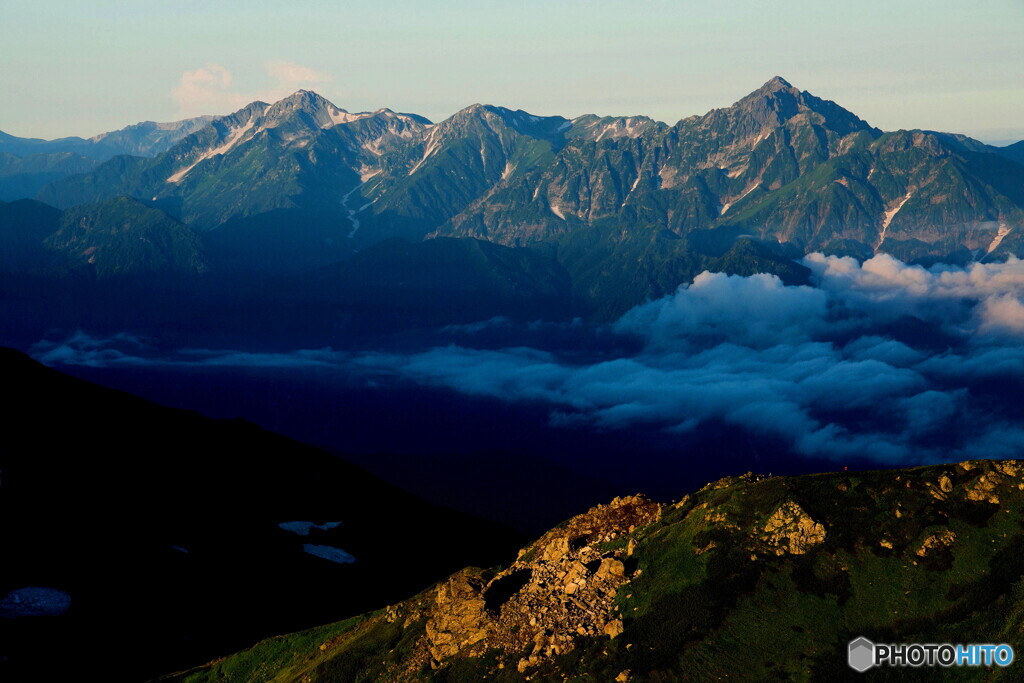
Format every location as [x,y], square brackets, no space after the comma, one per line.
[774,85]
[778,81]
[306,96]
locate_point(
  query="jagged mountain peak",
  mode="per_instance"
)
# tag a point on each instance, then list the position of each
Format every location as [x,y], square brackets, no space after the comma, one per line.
[777,83]
[477,112]
[597,128]
[503,112]
[416,118]
[250,111]
[494,116]
[321,112]
[777,89]
[778,101]
[308,97]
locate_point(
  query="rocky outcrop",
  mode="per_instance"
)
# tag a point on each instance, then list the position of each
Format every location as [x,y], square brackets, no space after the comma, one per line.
[561,587]
[942,539]
[460,620]
[984,488]
[791,530]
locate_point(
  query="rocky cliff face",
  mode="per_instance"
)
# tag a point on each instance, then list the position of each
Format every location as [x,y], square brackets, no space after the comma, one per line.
[561,587]
[751,576]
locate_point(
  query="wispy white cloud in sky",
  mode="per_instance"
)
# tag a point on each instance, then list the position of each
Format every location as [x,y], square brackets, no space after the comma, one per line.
[206,90]
[211,89]
[290,73]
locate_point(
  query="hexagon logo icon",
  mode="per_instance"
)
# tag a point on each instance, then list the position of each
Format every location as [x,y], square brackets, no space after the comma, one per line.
[861,654]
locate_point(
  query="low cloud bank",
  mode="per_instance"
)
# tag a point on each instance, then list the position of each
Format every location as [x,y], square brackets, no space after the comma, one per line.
[879,360]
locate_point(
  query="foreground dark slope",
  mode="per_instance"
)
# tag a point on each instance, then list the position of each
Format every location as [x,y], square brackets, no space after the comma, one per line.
[162,526]
[750,578]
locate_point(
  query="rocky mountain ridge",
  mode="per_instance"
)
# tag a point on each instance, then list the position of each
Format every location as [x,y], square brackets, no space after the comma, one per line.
[779,164]
[629,207]
[146,138]
[764,576]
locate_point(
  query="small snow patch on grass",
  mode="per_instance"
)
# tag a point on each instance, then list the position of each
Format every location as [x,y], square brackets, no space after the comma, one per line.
[304,528]
[328,552]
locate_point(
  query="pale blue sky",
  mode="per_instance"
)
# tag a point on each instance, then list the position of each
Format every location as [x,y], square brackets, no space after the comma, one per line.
[69,67]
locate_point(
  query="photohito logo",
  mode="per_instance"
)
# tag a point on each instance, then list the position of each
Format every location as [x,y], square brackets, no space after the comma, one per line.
[863,654]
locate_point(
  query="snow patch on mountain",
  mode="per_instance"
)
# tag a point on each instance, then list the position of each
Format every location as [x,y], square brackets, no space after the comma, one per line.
[329,552]
[889,215]
[728,205]
[233,139]
[303,528]
[1001,234]
[432,145]
[631,188]
[35,601]
[341,116]
[630,127]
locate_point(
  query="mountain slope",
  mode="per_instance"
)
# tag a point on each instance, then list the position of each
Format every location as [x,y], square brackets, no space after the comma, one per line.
[123,237]
[396,284]
[590,177]
[910,193]
[24,177]
[1014,152]
[118,238]
[751,577]
[178,537]
[24,226]
[457,161]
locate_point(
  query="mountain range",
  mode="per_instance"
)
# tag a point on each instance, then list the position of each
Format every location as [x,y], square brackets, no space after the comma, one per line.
[146,138]
[626,208]
[29,164]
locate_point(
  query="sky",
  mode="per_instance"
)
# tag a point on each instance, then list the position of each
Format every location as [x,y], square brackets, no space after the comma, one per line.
[75,68]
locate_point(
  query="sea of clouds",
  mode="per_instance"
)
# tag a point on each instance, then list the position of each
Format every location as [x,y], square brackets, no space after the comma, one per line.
[880,360]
